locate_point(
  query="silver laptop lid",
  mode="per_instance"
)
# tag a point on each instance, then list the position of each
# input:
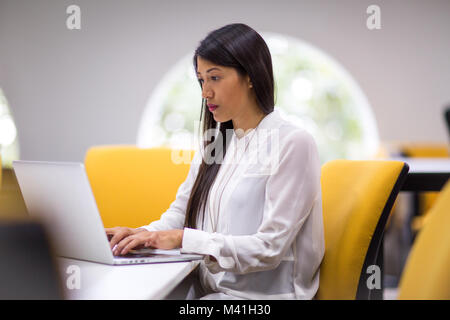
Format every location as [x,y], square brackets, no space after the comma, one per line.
[59,195]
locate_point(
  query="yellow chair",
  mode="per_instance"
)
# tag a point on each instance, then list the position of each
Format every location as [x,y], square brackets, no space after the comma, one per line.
[425,200]
[427,271]
[134,186]
[12,204]
[357,197]
[425,150]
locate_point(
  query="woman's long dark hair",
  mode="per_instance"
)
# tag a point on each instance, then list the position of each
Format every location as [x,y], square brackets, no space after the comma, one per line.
[242,48]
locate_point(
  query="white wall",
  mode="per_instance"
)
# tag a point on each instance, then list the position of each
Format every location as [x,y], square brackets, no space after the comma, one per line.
[69,90]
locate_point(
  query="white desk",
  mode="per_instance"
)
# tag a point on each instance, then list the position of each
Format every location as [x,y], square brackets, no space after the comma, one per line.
[143,281]
[426,174]
[427,165]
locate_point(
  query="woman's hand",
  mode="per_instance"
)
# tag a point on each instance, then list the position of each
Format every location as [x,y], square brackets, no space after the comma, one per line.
[117,234]
[169,239]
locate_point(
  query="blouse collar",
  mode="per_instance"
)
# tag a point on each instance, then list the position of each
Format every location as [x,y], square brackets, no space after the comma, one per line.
[267,122]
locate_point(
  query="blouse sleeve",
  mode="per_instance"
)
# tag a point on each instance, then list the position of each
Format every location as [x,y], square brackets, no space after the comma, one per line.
[174,217]
[290,195]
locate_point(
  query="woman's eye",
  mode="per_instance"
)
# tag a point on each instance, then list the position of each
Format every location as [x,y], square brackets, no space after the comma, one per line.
[212,78]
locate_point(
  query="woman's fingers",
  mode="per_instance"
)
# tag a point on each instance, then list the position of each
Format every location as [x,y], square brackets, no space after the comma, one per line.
[122,244]
[117,237]
[110,232]
[132,244]
[132,241]
[136,240]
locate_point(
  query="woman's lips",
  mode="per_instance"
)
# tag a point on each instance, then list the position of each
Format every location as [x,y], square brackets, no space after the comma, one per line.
[212,107]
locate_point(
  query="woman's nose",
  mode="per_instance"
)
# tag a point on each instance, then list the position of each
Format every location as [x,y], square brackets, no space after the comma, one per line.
[206,93]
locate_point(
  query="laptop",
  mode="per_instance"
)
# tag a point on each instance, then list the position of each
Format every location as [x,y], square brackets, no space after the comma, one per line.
[59,195]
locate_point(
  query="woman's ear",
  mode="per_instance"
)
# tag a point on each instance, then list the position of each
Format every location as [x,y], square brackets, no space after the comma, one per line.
[249,82]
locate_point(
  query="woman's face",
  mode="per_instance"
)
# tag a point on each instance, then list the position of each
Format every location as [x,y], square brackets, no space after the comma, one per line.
[228,96]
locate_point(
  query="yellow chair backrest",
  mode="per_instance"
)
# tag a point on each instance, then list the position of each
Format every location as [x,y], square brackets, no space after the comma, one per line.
[425,150]
[427,271]
[357,197]
[134,186]
[426,199]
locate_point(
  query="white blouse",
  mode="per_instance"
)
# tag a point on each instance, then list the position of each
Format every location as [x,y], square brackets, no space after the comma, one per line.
[263,222]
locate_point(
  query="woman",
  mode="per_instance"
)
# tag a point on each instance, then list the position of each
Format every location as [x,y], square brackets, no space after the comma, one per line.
[257,222]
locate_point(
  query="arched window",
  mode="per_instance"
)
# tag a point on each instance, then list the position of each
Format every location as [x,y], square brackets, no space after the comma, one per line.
[312,90]
[9,146]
